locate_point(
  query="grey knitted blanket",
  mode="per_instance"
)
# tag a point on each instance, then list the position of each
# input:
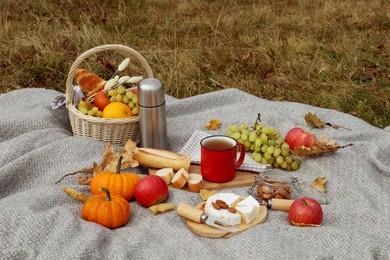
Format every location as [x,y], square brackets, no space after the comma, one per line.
[39,221]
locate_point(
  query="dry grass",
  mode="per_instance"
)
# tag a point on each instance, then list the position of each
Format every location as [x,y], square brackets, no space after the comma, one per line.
[327,53]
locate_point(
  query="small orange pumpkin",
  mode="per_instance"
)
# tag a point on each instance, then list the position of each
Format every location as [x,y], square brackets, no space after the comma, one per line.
[108,210]
[116,182]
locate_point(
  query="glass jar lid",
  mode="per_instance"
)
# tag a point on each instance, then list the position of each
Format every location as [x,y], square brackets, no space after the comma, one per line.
[305,189]
[275,177]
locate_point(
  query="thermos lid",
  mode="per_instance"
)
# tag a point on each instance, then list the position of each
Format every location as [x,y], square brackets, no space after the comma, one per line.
[151,93]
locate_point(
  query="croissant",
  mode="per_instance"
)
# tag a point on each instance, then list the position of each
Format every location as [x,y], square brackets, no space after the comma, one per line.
[90,83]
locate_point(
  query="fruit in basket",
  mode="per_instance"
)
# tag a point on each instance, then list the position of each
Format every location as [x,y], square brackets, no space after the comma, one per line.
[101,100]
[297,137]
[305,212]
[151,190]
[117,110]
[106,209]
[265,144]
[126,96]
[84,103]
[117,182]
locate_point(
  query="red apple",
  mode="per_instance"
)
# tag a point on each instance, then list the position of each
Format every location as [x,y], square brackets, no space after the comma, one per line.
[299,137]
[305,212]
[151,190]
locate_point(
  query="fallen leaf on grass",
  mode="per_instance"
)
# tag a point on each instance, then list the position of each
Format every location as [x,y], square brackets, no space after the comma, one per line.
[162,208]
[213,124]
[313,121]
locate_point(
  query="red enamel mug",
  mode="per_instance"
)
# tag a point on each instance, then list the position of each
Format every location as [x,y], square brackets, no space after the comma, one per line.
[218,161]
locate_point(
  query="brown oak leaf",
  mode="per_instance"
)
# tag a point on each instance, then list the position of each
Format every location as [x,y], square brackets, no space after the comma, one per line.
[84,180]
[324,145]
[313,121]
[109,162]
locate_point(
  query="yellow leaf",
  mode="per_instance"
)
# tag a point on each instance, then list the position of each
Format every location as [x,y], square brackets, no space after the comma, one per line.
[162,208]
[319,184]
[80,196]
[205,194]
[213,124]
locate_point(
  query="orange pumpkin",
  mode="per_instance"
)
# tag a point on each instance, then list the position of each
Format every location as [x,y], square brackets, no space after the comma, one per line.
[116,182]
[108,210]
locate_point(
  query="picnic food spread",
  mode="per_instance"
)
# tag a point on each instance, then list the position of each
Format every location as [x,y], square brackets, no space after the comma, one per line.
[264,144]
[111,99]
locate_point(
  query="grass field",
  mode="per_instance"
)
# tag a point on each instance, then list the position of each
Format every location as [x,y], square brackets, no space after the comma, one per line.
[327,53]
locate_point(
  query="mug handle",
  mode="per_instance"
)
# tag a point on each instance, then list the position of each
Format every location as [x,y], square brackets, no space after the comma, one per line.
[242,154]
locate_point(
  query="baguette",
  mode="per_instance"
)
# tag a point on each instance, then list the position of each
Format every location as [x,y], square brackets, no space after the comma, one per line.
[195,182]
[180,178]
[158,158]
[166,174]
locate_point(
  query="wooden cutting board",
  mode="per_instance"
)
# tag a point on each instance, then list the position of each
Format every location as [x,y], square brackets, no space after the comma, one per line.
[212,232]
[242,179]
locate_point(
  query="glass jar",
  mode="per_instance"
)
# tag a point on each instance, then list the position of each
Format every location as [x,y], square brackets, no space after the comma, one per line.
[273,184]
[277,184]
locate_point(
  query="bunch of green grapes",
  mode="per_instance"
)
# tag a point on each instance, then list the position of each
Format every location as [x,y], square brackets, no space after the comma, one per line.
[265,144]
[120,94]
[87,108]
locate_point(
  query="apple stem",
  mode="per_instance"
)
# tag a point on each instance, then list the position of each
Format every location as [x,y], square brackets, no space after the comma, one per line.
[118,168]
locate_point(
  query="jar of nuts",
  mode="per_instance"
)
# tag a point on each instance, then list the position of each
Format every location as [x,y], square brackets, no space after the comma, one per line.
[274,184]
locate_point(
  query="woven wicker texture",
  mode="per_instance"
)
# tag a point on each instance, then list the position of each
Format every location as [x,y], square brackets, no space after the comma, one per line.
[115,131]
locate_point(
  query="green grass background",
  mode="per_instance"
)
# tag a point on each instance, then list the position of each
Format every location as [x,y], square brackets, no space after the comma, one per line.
[327,53]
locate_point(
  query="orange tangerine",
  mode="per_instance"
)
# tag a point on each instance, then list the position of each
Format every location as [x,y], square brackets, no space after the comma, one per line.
[117,110]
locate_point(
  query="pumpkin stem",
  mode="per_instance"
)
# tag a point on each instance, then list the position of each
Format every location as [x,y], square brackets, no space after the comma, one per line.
[118,168]
[108,197]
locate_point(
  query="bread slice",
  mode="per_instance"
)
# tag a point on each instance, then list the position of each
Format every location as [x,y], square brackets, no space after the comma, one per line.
[180,178]
[166,174]
[159,158]
[195,182]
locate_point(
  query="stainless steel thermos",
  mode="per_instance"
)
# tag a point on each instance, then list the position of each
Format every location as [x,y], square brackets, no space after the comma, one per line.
[152,113]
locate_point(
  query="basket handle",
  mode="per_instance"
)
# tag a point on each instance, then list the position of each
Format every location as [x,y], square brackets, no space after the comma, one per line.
[107,47]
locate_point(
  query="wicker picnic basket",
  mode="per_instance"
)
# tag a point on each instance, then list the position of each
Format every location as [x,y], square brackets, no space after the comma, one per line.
[114,131]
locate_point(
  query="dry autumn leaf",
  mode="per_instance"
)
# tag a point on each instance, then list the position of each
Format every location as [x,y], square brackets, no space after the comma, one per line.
[77,195]
[324,145]
[84,180]
[109,162]
[313,121]
[127,152]
[213,124]
[319,184]
[205,194]
[161,208]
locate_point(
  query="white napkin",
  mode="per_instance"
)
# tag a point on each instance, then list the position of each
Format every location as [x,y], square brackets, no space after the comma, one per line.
[60,100]
[192,148]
